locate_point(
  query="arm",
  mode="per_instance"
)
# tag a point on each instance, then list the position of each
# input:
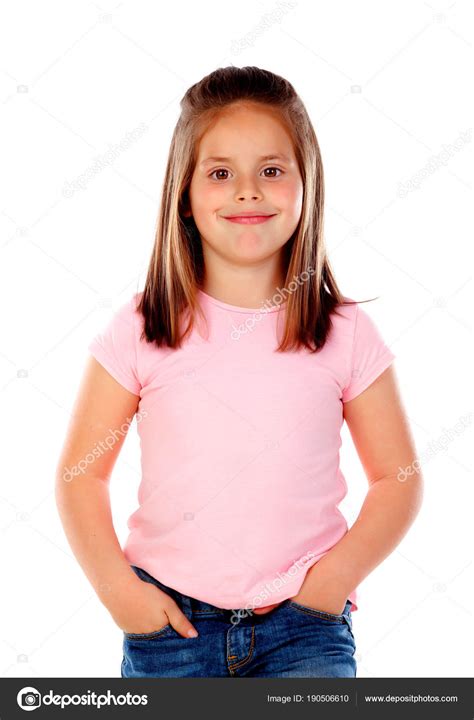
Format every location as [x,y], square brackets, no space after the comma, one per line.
[104,405]
[381,435]
[83,499]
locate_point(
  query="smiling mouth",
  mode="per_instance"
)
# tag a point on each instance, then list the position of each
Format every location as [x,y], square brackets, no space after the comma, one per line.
[248,219]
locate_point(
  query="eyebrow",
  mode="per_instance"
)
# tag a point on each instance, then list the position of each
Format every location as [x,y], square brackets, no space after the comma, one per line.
[274,156]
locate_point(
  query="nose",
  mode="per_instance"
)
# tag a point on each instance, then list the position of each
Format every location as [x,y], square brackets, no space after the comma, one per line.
[243,197]
[248,189]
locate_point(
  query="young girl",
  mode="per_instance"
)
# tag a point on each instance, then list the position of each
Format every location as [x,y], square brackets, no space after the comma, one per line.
[241,359]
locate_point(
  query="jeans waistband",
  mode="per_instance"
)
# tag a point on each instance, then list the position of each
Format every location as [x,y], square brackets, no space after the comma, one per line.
[190,605]
[186,603]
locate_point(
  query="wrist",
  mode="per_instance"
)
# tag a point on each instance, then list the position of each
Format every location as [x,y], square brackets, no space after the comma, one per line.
[112,591]
[326,579]
[323,590]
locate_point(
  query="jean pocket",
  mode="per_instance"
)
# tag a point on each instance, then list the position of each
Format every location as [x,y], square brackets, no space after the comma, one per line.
[331,617]
[150,635]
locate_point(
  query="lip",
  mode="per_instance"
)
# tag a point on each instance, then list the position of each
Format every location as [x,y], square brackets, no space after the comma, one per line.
[248,218]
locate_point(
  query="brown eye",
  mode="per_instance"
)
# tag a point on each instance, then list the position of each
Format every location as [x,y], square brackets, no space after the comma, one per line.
[219,170]
[223,170]
[272,168]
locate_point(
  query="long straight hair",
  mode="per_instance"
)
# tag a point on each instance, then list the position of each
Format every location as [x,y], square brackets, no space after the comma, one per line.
[176,268]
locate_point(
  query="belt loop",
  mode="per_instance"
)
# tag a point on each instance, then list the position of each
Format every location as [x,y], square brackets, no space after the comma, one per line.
[187,606]
[347,615]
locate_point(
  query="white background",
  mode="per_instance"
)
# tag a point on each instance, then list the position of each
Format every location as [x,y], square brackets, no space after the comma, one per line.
[388,90]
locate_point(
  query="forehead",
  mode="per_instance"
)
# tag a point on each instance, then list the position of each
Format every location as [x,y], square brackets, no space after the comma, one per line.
[246,129]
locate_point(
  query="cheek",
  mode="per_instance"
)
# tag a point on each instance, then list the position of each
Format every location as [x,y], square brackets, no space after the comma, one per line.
[289,197]
[206,198]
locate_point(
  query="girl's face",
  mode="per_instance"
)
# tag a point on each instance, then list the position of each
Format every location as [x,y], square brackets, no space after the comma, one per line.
[246,164]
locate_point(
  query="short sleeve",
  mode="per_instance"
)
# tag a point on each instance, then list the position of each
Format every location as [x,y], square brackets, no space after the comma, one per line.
[115,347]
[369,358]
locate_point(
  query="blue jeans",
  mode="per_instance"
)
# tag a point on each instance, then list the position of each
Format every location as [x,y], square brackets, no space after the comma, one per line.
[292,640]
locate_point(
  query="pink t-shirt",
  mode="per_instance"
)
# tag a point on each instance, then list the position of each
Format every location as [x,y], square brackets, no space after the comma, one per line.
[239,448]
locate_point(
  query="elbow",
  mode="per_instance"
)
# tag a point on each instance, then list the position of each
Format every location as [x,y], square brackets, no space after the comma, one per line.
[420,490]
[61,486]
[62,478]
[416,488]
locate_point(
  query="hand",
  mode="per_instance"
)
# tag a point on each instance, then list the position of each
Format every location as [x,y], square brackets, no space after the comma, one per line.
[265,609]
[327,602]
[333,606]
[145,608]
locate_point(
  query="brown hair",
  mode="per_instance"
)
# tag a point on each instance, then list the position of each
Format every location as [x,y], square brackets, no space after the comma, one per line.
[176,266]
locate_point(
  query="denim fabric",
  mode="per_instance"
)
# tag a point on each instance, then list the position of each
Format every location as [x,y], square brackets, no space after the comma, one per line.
[292,640]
